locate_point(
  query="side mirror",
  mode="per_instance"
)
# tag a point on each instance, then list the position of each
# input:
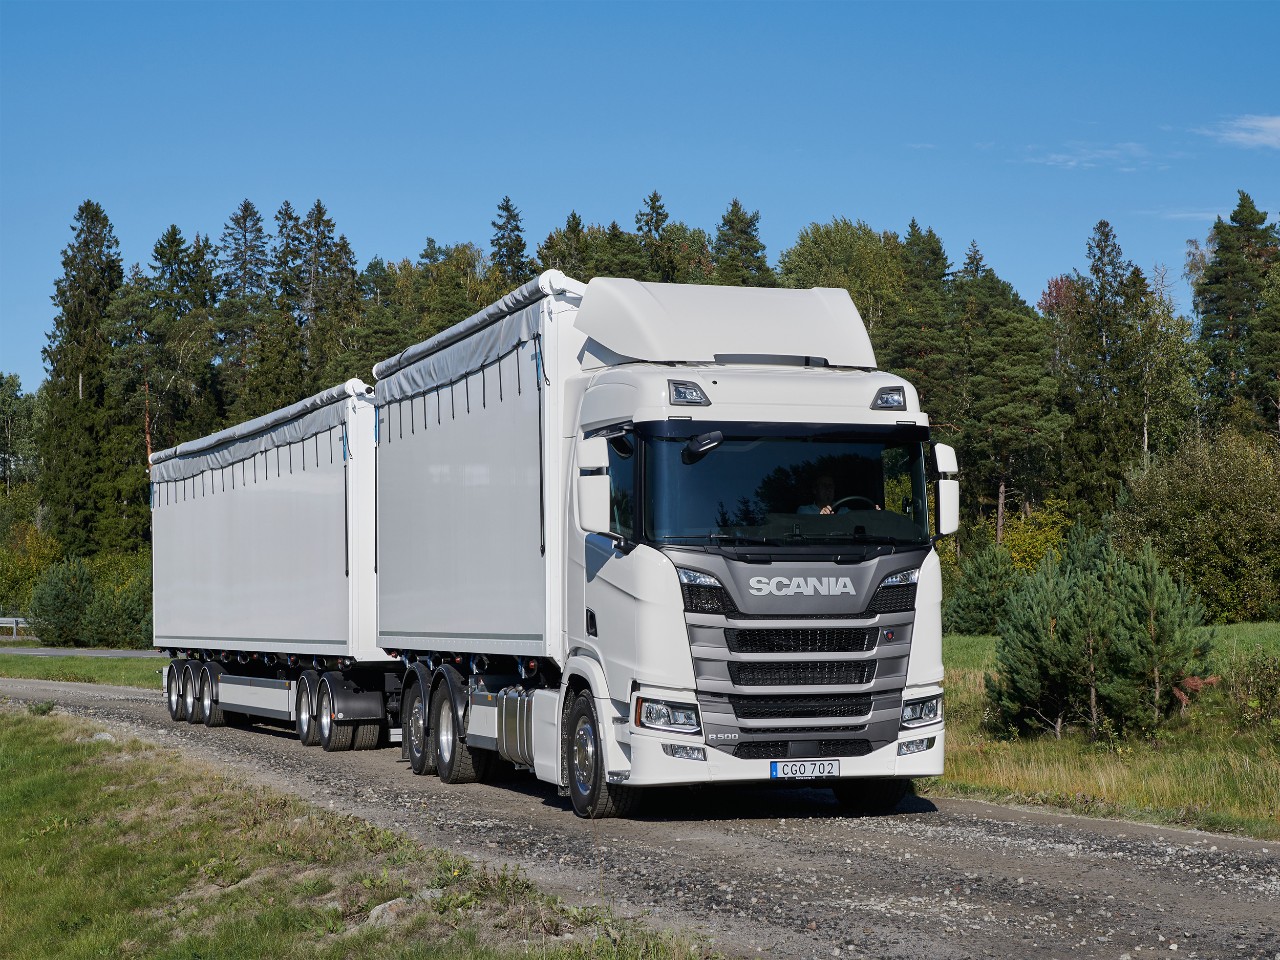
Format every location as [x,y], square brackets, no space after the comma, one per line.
[948,507]
[593,485]
[699,446]
[946,458]
[593,503]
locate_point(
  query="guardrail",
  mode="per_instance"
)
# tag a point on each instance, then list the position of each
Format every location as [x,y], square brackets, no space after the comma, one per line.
[12,624]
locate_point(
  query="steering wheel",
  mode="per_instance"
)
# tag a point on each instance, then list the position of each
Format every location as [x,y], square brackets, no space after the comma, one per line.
[844,501]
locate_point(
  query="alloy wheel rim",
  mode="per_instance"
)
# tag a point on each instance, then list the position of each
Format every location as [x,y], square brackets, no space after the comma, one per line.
[444,733]
[584,755]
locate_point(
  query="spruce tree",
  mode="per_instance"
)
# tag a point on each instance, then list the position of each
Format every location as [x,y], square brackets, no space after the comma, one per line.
[919,344]
[1263,382]
[510,262]
[1229,297]
[75,480]
[243,265]
[738,251]
[565,249]
[614,252]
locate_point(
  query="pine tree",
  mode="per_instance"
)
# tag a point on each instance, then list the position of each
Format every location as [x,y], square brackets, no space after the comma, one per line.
[738,251]
[614,252]
[1229,297]
[75,481]
[565,249]
[510,263]
[1036,680]
[979,601]
[1164,620]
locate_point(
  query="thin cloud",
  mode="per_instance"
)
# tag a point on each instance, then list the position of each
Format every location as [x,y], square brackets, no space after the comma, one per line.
[1249,130]
[1127,157]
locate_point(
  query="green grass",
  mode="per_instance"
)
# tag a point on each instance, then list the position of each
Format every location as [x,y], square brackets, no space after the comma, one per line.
[116,671]
[125,850]
[1200,771]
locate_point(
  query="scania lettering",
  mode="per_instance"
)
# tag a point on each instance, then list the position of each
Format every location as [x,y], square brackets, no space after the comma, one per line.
[621,535]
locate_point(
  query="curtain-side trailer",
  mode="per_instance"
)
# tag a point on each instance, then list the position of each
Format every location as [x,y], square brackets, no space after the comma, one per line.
[620,534]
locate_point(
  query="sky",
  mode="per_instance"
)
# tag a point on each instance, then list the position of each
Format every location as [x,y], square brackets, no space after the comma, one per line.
[1015,125]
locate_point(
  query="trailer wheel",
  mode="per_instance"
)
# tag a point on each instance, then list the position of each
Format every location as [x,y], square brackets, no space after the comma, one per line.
[210,709]
[366,735]
[417,732]
[190,691]
[334,736]
[592,797]
[455,762]
[305,722]
[173,691]
[870,796]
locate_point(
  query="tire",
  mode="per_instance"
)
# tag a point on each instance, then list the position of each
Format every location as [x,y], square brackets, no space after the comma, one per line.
[455,762]
[869,797]
[367,735]
[417,732]
[191,691]
[210,709]
[592,797]
[334,736]
[173,691]
[305,720]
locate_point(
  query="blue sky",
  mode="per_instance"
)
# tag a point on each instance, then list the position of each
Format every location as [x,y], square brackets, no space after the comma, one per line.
[1015,125]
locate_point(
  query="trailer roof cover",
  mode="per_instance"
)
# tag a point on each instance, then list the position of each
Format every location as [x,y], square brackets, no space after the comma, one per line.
[693,323]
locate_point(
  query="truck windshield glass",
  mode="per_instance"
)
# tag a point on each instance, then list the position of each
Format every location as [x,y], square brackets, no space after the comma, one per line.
[789,485]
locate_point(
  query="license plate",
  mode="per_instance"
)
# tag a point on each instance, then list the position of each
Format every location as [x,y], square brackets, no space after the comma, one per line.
[803,769]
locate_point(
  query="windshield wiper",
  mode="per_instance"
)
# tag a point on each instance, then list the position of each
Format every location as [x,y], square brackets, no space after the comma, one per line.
[845,538]
[742,541]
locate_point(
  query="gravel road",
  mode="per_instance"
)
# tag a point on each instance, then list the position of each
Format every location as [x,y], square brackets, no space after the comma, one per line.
[786,873]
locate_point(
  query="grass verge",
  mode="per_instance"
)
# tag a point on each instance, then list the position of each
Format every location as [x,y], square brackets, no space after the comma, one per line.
[1200,771]
[117,671]
[120,849]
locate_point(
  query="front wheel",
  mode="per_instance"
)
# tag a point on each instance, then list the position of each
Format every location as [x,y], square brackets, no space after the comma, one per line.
[871,796]
[592,797]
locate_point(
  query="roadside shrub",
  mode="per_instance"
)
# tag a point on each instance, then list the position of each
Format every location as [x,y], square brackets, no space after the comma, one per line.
[1210,513]
[1032,534]
[26,554]
[103,602]
[59,601]
[977,601]
[1253,684]
[1097,640]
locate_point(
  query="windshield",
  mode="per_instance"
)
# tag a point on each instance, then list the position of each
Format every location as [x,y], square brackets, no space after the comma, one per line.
[784,485]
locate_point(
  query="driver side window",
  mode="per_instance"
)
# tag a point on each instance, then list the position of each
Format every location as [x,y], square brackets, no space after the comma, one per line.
[622,485]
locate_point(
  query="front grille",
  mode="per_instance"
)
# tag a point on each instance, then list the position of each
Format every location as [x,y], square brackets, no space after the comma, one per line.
[796,731]
[893,600]
[821,672]
[800,707]
[795,750]
[805,640]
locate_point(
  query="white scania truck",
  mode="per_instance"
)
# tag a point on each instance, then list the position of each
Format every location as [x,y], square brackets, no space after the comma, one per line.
[621,534]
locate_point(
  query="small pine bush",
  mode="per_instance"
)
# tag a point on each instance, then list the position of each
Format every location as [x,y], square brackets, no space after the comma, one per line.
[59,601]
[987,579]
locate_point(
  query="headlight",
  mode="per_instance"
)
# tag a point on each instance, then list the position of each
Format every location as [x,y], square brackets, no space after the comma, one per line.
[672,717]
[904,579]
[703,593]
[919,713]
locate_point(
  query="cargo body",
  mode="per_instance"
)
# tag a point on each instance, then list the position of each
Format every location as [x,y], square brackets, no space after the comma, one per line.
[625,535]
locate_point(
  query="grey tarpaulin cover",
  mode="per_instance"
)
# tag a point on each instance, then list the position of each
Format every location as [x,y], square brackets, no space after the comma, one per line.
[484,337]
[302,420]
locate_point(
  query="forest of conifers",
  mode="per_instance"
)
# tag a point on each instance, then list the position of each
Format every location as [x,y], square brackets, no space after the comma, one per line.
[1100,404]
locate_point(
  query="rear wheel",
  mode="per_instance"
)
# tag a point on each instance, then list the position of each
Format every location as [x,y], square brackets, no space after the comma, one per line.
[190,691]
[334,736]
[416,732]
[455,762]
[210,709]
[173,691]
[305,722]
[366,735]
[592,797]
[870,796]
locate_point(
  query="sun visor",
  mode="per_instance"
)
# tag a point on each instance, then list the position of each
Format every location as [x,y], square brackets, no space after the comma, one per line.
[693,323]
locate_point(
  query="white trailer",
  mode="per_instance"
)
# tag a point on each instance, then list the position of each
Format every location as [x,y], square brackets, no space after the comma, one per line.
[631,535]
[264,580]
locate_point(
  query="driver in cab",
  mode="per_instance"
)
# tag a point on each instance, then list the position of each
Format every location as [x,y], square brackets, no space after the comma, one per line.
[824,497]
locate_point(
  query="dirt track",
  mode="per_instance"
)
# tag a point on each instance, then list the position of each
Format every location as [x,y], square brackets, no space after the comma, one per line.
[786,873]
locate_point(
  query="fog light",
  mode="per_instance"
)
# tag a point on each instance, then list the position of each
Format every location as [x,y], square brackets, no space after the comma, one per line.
[908,747]
[684,751]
